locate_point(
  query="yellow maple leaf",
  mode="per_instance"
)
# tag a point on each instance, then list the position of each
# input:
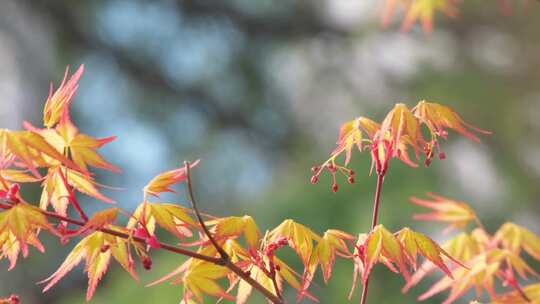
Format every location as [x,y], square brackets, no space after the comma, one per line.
[416,243]
[57,103]
[382,243]
[424,10]
[233,226]
[96,250]
[171,217]
[324,254]
[19,227]
[515,238]
[438,117]
[462,247]
[200,280]
[299,237]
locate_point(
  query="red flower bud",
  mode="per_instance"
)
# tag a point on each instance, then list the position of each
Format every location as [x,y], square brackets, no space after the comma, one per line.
[351,180]
[104,248]
[314,179]
[335,188]
[14,299]
[147,262]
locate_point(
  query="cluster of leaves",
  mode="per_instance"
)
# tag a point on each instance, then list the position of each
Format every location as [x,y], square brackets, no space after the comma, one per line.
[228,257]
[490,258]
[423,11]
[400,130]
[226,254]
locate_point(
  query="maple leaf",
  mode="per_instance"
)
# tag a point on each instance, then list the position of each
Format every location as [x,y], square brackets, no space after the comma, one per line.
[456,214]
[245,289]
[55,192]
[532,291]
[233,226]
[462,247]
[438,117]
[100,219]
[17,176]
[170,217]
[96,249]
[484,268]
[515,238]
[399,129]
[200,278]
[350,136]
[424,10]
[399,123]
[32,150]
[163,181]
[57,103]
[416,243]
[19,227]
[66,138]
[382,243]
[299,237]
[332,242]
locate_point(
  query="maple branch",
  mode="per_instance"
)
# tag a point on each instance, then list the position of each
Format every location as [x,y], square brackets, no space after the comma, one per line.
[374,221]
[72,198]
[275,283]
[522,293]
[225,260]
[4,204]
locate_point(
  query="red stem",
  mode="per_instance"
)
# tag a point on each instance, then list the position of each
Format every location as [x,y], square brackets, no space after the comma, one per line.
[374,221]
[72,197]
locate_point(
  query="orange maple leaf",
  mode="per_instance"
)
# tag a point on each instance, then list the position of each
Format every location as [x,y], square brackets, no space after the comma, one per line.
[96,249]
[163,181]
[484,269]
[57,103]
[31,149]
[456,214]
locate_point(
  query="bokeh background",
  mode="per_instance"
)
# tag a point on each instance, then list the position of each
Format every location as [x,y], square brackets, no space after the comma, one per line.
[257,90]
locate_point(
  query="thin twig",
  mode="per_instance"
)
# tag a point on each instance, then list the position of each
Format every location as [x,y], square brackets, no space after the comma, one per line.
[72,198]
[189,186]
[225,260]
[374,221]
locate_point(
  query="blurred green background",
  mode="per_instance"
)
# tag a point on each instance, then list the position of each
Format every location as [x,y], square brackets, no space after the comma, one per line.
[257,90]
